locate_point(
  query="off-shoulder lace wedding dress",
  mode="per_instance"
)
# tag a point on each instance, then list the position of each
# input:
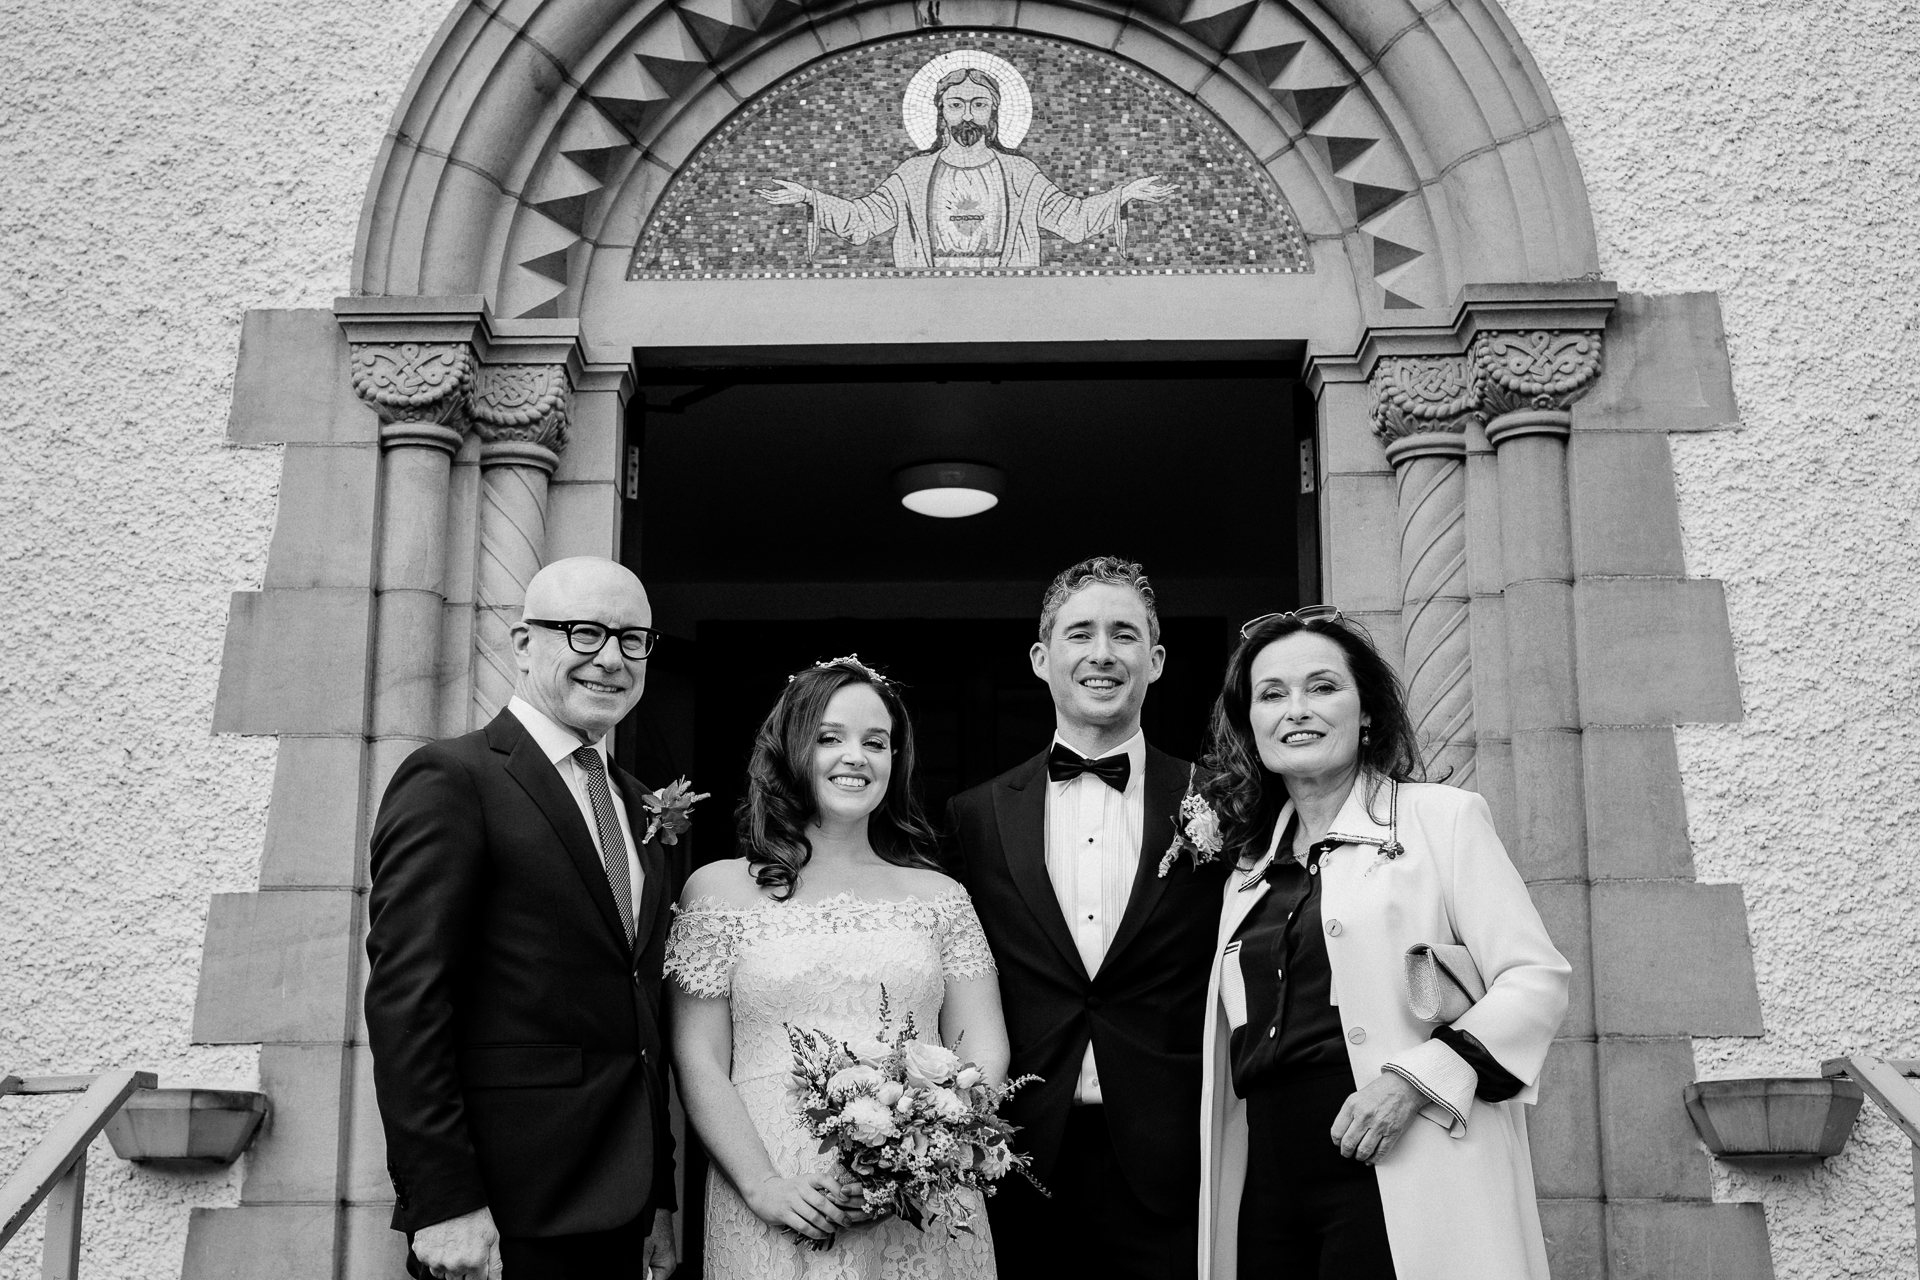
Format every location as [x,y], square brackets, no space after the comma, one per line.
[821,965]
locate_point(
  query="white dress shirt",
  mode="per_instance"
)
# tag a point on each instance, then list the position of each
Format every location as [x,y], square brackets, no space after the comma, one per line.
[1093,852]
[559,743]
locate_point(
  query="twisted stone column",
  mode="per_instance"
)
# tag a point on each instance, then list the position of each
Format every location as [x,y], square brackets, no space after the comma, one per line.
[1420,407]
[419,390]
[520,411]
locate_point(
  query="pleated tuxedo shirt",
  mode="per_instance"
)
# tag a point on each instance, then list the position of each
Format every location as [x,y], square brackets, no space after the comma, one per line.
[1093,853]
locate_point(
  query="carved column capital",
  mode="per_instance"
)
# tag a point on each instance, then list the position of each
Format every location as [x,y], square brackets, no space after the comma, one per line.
[1530,377]
[419,389]
[1422,404]
[522,405]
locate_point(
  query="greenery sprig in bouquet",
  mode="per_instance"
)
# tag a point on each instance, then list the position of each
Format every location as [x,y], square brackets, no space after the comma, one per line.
[913,1124]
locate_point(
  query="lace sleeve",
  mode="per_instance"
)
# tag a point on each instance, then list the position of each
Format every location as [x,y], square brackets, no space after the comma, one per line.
[700,948]
[963,946]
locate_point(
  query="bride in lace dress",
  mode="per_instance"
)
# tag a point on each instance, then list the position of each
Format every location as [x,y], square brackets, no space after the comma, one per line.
[836,897]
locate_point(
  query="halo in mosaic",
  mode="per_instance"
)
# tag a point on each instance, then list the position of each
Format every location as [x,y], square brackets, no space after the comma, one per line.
[1117,174]
[921,116]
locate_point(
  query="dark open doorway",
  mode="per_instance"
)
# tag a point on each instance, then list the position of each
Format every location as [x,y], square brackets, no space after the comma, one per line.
[762,516]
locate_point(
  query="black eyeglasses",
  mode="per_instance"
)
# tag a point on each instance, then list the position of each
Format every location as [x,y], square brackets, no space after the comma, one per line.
[591,637]
[1312,613]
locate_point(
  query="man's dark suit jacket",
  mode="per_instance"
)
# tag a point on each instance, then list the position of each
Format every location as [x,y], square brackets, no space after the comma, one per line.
[1143,1009]
[518,1054]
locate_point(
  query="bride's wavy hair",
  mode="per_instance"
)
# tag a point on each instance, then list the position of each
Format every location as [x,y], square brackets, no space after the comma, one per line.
[772,818]
[1246,796]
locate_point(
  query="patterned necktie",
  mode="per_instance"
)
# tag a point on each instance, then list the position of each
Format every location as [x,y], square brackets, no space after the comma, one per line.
[1064,763]
[613,848]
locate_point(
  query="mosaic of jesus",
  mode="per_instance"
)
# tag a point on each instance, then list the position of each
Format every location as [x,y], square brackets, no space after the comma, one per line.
[969,199]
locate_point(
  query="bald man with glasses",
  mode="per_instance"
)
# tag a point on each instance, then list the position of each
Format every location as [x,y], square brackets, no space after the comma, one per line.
[518,922]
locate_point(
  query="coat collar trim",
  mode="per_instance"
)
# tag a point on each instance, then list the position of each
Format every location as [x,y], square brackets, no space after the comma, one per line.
[1355,824]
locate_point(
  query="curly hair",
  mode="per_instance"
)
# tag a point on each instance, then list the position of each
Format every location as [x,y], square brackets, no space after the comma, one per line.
[1115,571]
[772,818]
[1241,790]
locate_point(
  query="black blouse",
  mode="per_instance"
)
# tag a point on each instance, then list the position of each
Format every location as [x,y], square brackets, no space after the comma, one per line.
[1292,1029]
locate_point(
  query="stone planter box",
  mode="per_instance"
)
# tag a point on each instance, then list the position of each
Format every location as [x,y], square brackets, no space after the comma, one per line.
[186,1126]
[1775,1118]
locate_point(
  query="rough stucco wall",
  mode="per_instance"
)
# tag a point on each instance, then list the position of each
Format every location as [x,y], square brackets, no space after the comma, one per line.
[170,164]
[167,165]
[1769,154]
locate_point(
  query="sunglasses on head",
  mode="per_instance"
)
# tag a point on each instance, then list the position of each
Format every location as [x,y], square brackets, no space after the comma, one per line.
[1312,613]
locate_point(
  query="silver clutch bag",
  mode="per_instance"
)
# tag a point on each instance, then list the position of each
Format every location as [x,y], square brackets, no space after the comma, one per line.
[1442,981]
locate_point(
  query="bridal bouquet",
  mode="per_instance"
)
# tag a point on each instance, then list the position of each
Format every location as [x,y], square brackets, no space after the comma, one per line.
[914,1124]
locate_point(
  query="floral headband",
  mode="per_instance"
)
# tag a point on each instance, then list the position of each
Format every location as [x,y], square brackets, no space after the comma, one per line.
[851,663]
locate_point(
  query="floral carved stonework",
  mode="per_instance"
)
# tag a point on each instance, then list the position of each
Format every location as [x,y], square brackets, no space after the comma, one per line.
[526,403]
[1541,369]
[414,381]
[1408,395]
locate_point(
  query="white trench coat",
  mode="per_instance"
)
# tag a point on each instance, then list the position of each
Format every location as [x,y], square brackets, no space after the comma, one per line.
[1457,1190]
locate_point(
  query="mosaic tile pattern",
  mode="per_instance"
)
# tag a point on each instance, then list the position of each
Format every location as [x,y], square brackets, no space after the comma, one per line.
[1097,121]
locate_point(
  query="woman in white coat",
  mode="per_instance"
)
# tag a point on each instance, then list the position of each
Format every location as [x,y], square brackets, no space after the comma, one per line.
[1342,1136]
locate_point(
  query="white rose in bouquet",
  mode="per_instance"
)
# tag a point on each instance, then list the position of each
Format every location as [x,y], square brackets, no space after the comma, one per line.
[968,1077]
[930,1064]
[870,1121]
[946,1104]
[871,1050]
[850,1080]
[890,1092]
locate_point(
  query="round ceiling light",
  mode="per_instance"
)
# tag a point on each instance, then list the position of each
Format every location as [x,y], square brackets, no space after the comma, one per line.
[950,490]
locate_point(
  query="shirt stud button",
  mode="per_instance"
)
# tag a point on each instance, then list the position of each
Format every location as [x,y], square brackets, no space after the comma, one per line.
[1357,1036]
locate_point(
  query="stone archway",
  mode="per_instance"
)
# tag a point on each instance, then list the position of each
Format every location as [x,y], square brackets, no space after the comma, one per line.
[1422,146]
[1476,516]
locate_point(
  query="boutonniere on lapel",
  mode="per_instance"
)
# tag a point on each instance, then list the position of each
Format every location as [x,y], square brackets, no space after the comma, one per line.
[671,808]
[1196,830]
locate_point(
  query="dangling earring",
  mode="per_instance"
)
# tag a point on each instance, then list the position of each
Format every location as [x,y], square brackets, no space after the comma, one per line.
[1366,736]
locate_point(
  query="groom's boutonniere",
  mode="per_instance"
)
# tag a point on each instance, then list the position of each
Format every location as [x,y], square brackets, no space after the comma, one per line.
[1196,829]
[672,810]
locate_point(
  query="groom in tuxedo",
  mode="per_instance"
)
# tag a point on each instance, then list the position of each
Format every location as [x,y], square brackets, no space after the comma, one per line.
[1103,961]
[518,923]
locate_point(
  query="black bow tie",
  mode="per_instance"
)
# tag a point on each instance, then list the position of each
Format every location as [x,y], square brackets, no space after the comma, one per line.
[1065,764]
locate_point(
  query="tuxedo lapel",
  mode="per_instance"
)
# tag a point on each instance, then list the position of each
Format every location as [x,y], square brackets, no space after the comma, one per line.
[1166,782]
[1020,810]
[529,766]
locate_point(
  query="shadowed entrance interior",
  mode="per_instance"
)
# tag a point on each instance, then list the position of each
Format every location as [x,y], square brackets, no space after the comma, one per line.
[764,519]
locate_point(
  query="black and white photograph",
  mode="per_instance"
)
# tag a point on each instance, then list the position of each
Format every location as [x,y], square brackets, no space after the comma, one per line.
[960,640]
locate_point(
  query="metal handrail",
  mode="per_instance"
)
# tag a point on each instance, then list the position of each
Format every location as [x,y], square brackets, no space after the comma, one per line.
[56,1169]
[1889,1082]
